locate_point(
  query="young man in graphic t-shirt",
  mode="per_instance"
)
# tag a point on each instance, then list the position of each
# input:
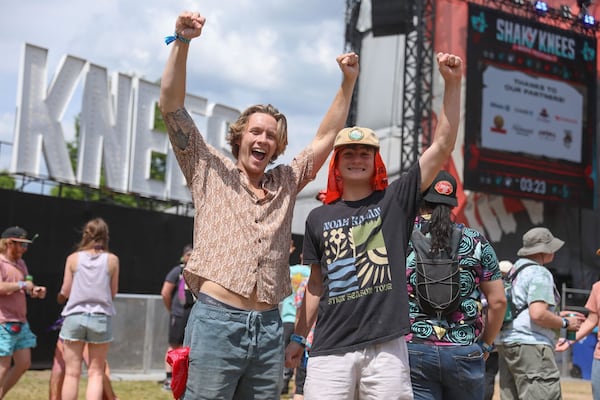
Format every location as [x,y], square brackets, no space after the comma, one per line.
[356,246]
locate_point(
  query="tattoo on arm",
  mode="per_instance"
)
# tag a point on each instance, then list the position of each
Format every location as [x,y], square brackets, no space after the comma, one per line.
[180,139]
[180,126]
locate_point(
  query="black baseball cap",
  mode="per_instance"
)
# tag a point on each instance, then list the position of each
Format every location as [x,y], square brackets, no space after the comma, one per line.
[17,234]
[442,190]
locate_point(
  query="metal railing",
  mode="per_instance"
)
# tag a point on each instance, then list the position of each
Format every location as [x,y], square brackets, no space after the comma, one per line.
[140,331]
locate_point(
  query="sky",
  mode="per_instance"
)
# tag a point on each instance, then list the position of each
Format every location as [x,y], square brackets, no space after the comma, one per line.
[262,51]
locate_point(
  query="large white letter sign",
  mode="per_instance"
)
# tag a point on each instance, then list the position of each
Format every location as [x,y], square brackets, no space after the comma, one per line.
[105,129]
[116,133]
[217,126]
[146,140]
[39,113]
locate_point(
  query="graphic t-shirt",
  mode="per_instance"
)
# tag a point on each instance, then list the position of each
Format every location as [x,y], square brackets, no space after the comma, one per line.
[477,263]
[361,247]
[534,283]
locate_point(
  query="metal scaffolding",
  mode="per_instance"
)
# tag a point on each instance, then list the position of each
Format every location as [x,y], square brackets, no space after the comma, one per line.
[417,97]
[416,126]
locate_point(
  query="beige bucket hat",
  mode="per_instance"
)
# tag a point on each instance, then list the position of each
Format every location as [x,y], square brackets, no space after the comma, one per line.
[539,240]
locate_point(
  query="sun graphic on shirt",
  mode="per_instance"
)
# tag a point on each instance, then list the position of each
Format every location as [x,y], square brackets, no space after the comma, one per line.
[370,254]
[373,266]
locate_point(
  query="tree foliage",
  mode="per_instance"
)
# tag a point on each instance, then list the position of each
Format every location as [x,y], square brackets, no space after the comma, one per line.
[7,181]
[104,194]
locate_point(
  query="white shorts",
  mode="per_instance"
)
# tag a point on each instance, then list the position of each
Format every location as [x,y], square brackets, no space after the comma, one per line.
[380,371]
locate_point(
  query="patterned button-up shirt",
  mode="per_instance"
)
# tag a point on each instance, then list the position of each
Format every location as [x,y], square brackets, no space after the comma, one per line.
[241,242]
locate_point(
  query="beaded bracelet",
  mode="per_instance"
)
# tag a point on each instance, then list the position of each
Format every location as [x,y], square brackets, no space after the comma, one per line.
[176,36]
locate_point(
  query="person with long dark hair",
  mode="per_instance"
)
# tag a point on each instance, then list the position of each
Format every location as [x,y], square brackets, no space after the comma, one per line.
[443,334]
[90,283]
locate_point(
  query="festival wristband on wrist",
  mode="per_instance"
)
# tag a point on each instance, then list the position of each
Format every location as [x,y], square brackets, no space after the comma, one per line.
[487,348]
[176,36]
[298,339]
[21,285]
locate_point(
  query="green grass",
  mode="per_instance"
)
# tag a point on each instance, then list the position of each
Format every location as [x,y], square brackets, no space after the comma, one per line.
[34,386]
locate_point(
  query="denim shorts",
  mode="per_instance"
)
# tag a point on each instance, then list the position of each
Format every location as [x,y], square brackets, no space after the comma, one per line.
[89,328]
[15,336]
[234,354]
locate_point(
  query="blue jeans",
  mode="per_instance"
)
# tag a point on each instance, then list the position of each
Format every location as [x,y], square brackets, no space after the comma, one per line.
[596,379]
[446,372]
[234,354]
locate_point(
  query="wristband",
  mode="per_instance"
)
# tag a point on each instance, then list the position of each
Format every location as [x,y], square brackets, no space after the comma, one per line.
[304,361]
[487,348]
[21,285]
[298,339]
[565,323]
[176,36]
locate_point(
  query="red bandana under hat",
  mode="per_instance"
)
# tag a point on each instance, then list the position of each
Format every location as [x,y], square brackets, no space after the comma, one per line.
[335,186]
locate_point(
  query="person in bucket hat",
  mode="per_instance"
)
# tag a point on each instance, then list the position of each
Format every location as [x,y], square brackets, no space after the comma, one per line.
[461,330]
[16,338]
[356,246]
[527,364]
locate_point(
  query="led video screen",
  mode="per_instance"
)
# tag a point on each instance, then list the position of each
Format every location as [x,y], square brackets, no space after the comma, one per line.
[530,109]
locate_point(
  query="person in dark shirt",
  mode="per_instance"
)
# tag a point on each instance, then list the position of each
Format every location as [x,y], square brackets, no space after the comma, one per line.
[356,246]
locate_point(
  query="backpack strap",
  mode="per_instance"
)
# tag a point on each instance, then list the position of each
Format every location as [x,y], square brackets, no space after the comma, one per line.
[457,233]
[422,244]
[511,277]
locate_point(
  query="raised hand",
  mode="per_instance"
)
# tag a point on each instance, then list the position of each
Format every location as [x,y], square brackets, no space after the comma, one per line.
[348,63]
[189,24]
[451,66]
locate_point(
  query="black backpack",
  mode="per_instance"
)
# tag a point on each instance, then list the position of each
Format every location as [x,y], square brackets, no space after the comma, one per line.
[511,309]
[437,286]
